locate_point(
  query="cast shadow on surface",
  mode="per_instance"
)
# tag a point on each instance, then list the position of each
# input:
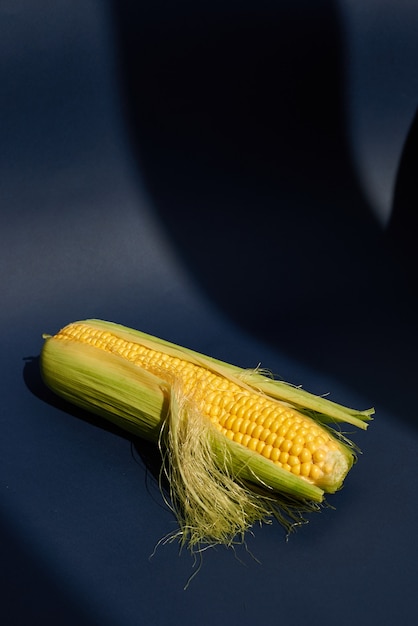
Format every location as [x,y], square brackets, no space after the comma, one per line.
[238,120]
[403,227]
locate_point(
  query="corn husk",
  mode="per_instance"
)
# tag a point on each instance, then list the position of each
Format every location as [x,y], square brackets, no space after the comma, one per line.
[217,488]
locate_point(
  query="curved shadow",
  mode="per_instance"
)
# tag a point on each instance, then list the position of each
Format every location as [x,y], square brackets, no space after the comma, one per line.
[237,118]
[238,122]
[403,226]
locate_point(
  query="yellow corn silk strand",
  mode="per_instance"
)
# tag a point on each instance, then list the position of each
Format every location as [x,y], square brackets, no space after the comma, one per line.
[237,446]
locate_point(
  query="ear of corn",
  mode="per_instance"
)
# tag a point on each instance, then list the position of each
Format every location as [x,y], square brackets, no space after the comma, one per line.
[238,446]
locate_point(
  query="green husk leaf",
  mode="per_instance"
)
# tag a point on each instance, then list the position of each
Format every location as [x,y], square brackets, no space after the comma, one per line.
[106,385]
[320,408]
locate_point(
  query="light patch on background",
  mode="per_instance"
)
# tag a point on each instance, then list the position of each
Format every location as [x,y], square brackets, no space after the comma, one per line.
[381,49]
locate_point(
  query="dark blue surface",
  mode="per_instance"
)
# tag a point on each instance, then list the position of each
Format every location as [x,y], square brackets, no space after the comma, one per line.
[189,169]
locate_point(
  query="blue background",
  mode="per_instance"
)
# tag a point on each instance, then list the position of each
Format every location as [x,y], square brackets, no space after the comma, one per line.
[239,178]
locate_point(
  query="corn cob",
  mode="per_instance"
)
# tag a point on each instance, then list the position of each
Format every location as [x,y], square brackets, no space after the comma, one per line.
[238,446]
